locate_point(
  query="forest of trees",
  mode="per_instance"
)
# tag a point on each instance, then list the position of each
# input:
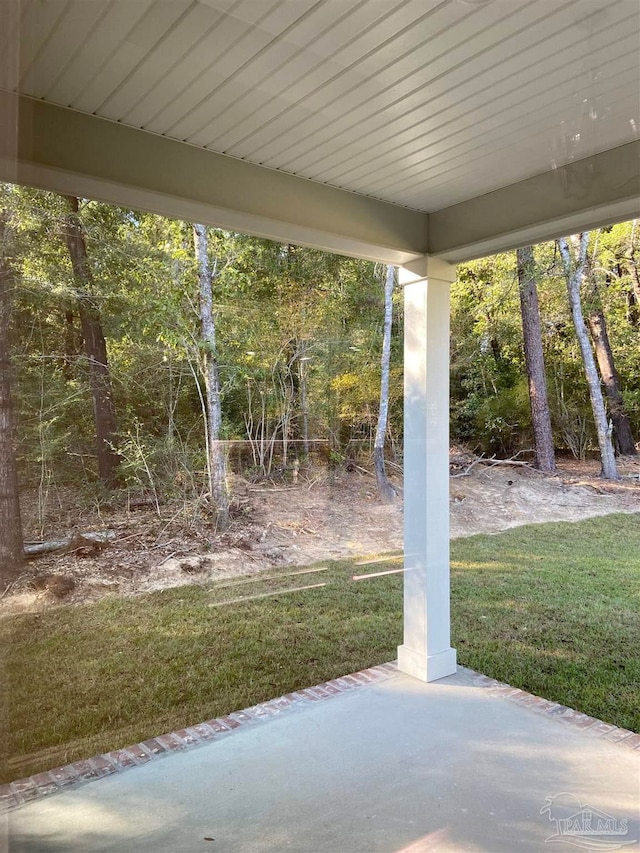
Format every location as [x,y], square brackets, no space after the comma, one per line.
[491,407]
[150,356]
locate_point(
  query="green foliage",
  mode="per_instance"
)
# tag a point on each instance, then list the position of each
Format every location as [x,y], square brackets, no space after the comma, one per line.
[489,402]
[285,316]
[299,337]
[489,405]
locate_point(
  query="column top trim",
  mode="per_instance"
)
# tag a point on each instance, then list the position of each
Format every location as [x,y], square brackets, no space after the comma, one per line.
[427,267]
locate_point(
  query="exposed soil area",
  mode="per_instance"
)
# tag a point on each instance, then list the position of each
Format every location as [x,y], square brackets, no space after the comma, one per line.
[320,518]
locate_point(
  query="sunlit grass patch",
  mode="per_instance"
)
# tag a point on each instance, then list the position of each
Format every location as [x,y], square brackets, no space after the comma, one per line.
[95,677]
[553,609]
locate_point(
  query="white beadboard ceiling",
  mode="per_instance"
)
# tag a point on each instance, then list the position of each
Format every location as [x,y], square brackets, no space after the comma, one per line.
[424,103]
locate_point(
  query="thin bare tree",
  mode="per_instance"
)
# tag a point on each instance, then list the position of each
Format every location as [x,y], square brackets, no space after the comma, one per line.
[385,489]
[576,271]
[622,434]
[303,371]
[216,459]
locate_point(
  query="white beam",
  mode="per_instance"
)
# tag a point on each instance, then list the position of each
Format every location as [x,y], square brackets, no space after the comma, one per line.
[56,148]
[426,652]
[70,152]
[579,196]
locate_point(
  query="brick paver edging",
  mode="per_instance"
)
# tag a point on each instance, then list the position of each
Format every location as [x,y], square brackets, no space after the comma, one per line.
[576,719]
[80,772]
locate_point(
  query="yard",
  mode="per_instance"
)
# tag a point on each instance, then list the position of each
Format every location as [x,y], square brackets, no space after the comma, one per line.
[552,608]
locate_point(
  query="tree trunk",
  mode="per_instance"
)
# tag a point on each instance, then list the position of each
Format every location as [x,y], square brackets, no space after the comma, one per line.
[304,402]
[575,274]
[70,351]
[534,360]
[635,281]
[217,466]
[635,272]
[11,544]
[633,290]
[385,489]
[95,346]
[621,426]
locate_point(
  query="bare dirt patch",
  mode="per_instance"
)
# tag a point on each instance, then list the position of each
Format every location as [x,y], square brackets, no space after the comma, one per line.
[496,497]
[328,517]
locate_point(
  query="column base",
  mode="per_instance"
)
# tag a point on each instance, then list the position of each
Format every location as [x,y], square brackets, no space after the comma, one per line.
[426,667]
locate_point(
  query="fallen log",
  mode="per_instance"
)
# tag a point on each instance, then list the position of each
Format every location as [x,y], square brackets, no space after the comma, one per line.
[80,542]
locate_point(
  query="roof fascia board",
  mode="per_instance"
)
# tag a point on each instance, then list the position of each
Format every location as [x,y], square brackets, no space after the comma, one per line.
[66,151]
[74,153]
[584,194]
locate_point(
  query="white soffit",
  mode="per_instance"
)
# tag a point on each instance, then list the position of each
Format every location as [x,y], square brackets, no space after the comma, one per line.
[418,102]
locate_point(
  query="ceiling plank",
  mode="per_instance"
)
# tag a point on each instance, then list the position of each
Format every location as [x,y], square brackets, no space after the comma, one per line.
[126,55]
[549,82]
[88,58]
[484,61]
[482,132]
[274,23]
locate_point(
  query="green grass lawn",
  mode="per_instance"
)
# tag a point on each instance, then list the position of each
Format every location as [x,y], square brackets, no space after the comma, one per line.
[553,609]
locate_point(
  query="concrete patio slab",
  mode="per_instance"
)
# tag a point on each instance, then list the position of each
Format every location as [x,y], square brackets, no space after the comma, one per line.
[397,766]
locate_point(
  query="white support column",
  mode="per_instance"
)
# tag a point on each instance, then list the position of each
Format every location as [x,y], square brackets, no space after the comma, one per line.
[426,652]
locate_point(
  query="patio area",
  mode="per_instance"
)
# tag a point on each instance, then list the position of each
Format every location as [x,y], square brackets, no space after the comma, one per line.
[377,761]
[419,134]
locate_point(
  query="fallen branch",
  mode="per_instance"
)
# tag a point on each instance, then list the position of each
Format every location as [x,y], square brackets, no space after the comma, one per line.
[143,503]
[363,471]
[511,462]
[491,462]
[469,468]
[277,489]
[78,542]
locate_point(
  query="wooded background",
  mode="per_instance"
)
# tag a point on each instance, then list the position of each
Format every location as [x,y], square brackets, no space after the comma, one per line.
[101,323]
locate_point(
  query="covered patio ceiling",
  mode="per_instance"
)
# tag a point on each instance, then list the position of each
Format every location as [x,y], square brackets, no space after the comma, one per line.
[381,128]
[414,132]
